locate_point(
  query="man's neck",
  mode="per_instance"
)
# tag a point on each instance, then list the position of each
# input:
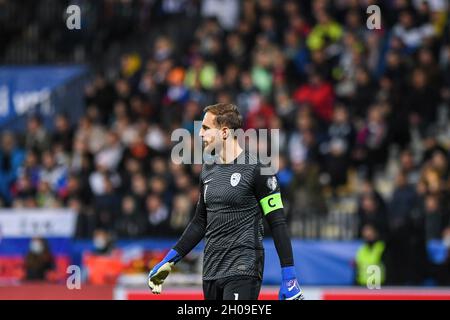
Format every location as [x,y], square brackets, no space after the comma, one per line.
[230,151]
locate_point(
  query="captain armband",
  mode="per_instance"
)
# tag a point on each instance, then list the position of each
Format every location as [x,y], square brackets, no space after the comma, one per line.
[271,203]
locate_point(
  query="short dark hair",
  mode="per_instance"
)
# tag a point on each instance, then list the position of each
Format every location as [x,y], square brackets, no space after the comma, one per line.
[227,114]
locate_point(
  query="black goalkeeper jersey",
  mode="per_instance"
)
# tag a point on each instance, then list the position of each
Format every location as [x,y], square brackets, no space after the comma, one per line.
[234,230]
[234,198]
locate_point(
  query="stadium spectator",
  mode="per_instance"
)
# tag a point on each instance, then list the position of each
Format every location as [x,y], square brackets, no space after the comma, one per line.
[11,158]
[401,206]
[93,134]
[434,217]
[53,173]
[431,145]
[406,246]
[103,242]
[370,255]
[370,212]
[372,140]
[319,94]
[422,100]
[181,213]
[139,190]
[325,33]
[39,260]
[131,223]
[337,147]
[365,92]
[409,167]
[24,192]
[107,206]
[157,215]
[36,137]
[305,195]
[86,220]
[412,32]
[298,147]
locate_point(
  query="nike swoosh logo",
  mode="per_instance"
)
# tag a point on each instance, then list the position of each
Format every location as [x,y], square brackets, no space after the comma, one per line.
[206,181]
[291,288]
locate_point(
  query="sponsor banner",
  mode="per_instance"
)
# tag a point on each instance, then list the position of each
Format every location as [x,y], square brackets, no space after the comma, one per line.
[26,223]
[39,89]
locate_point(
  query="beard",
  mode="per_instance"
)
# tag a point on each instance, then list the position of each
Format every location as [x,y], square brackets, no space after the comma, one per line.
[211,148]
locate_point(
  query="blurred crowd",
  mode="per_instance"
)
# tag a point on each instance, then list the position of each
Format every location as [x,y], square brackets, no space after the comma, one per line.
[347,100]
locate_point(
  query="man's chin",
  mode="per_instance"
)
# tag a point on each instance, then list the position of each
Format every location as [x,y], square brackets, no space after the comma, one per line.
[210,149]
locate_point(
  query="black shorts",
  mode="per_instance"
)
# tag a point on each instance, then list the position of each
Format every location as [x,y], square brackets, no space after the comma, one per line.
[232,288]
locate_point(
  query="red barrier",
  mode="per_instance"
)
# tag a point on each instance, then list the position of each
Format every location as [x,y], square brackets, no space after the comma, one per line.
[311,293]
[387,295]
[45,291]
[13,269]
[179,294]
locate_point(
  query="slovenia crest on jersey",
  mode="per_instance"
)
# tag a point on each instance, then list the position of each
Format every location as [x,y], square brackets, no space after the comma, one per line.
[272,183]
[235,178]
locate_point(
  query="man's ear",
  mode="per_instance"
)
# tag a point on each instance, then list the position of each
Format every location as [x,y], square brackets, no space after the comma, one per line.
[225,133]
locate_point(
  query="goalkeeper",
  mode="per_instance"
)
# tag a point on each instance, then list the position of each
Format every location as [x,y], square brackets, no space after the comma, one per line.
[234,196]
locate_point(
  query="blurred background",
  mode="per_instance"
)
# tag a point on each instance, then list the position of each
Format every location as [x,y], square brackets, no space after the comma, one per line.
[86,115]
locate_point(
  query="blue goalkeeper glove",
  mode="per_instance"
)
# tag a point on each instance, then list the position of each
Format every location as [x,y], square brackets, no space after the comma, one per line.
[160,272]
[290,289]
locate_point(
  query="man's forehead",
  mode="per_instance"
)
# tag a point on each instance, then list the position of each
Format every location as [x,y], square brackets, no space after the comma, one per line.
[209,119]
